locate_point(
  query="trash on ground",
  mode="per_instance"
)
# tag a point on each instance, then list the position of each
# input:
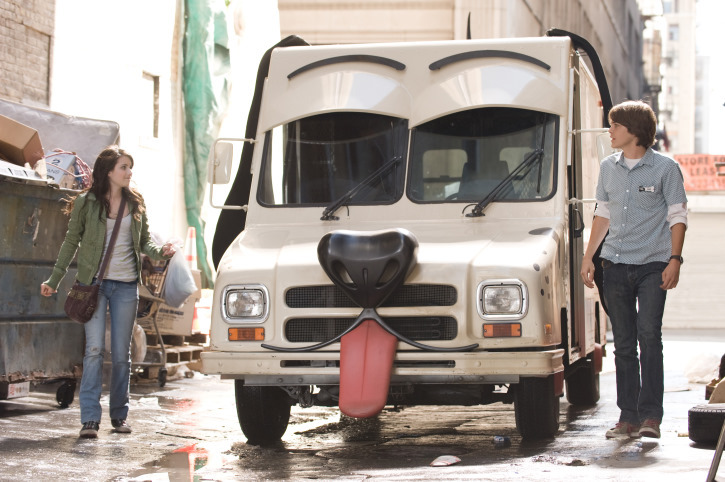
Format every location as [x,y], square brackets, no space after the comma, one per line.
[445,460]
[501,441]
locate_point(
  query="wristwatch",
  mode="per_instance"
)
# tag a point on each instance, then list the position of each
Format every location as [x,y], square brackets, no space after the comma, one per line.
[678,258]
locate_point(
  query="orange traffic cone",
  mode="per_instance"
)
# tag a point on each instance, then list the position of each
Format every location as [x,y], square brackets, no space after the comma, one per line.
[190,247]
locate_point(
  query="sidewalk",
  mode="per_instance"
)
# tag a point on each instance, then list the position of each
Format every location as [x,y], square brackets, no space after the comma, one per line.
[698,302]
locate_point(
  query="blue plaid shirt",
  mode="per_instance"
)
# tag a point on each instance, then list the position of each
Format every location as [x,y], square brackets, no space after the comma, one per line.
[638,200]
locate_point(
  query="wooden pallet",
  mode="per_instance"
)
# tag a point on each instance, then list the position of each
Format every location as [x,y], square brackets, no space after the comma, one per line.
[176,340]
[175,354]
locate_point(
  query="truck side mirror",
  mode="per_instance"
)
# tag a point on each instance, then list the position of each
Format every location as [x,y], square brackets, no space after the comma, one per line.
[220,167]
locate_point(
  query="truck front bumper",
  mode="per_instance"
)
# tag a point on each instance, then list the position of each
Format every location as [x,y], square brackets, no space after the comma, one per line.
[322,368]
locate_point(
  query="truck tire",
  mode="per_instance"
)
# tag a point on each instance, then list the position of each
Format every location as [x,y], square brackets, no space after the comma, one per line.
[537,408]
[263,412]
[582,386]
[704,422]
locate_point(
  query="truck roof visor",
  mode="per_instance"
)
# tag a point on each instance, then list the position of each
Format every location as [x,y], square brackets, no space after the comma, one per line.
[487,54]
[373,59]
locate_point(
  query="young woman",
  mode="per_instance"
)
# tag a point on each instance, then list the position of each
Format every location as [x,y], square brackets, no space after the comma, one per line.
[93,214]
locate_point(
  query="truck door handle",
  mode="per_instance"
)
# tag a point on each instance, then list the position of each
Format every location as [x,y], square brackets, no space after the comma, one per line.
[578,222]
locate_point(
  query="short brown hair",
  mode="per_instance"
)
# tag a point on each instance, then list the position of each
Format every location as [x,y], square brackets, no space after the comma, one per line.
[639,119]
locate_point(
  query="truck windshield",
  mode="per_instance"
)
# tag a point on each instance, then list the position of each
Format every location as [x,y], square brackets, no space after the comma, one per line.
[464,156]
[316,160]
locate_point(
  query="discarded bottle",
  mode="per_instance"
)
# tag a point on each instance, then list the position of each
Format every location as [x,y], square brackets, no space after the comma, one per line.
[501,441]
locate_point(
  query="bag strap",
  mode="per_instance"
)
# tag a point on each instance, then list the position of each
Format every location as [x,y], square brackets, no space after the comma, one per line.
[112,241]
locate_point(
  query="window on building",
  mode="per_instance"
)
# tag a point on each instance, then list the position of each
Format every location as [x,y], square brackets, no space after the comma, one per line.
[674,33]
[151,87]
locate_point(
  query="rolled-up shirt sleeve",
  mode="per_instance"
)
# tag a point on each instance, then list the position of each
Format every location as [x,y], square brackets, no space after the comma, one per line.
[677,213]
[602,209]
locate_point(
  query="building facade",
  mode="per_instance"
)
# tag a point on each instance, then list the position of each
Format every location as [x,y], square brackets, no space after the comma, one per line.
[677,101]
[26,45]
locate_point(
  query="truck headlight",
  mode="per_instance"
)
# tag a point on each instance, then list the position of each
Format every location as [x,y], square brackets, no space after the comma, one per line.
[245,303]
[502,299]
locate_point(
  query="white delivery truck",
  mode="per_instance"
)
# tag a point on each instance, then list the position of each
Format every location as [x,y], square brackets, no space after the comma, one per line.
[406,228]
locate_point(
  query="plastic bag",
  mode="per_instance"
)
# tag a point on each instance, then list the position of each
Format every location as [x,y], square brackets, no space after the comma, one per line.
[179,283]
[138,344]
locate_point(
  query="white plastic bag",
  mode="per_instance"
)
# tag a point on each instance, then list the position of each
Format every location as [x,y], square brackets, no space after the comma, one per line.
[138,344]
[179,281]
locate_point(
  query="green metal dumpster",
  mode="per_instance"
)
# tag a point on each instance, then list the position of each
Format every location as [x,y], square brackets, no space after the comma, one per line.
[38,343]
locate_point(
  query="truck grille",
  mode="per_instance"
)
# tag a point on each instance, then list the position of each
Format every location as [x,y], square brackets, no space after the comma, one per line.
[418,328]
[331,296]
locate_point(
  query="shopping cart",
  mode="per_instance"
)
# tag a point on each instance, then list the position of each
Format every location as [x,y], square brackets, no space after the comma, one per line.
[150,288]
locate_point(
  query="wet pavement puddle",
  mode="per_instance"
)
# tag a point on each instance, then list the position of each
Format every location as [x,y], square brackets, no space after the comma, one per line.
[184,463]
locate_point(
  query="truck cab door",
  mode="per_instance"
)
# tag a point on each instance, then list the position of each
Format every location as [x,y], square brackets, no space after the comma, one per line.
[587,143]
[576,223]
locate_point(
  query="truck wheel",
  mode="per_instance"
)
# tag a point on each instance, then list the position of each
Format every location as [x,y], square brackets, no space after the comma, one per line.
[263,412]
[537,408]
[704,422]
[65,393]
[582,386]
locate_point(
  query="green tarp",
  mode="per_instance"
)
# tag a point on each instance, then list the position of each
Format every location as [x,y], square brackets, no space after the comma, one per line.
[206,92]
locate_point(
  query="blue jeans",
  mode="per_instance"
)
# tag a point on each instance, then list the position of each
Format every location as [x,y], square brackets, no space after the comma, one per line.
[636,304]
[122,300]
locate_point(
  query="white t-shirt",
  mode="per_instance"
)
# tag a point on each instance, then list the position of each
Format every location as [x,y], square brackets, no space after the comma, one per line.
[122,265]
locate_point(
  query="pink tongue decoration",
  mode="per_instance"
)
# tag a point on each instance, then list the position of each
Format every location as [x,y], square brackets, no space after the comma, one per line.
[366,362]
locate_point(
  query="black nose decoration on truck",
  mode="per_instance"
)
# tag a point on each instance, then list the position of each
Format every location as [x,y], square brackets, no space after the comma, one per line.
[368,268]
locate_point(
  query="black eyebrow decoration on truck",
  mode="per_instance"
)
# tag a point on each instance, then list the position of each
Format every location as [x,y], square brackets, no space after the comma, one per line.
[372,59]
[483,54]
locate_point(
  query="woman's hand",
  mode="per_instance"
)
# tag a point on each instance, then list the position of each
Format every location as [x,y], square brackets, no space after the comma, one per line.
[168,249]
[46,290]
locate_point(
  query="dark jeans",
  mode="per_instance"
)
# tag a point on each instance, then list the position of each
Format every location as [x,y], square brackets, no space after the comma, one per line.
[636,304]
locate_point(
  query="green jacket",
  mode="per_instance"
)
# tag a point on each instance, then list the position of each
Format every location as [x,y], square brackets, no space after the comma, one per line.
[87,234]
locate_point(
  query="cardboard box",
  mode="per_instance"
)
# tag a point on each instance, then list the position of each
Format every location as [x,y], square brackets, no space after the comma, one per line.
[61,168]
[19,143]
[174,321]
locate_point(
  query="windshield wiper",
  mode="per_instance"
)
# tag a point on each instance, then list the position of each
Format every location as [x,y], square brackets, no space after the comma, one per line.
[327,214]
[528,160]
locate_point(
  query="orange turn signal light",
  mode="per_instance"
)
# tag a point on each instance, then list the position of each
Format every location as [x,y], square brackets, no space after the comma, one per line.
[501,330]
[246,334]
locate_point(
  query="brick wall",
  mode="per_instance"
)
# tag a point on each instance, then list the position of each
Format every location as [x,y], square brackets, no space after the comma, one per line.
[26,39]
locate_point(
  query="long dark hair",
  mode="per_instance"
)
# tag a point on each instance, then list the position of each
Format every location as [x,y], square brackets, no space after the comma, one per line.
[105,163]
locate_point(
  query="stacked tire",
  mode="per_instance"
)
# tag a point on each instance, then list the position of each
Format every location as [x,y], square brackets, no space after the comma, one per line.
[705,422]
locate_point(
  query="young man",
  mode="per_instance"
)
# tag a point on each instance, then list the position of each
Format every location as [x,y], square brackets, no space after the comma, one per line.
[641,202]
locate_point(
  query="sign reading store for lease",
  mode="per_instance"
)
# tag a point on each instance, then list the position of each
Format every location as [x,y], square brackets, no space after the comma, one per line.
[702,172]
